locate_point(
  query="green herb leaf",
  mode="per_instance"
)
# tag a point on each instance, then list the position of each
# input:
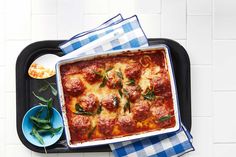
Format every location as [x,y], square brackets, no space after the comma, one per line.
[119,74]
[131,82]
[109,69]
[91,132]
[84,113]
[120,92]
[104,81]
[39,120]
[38,114]
[52,131]
[42,126]
[49,111]
[37,136]
[79,108]
[116,102]
[98,73]
[165,118]
[99,110]
[149,95]
[43,88]
[40,98]
[53,90]
[126,93]
[127,106]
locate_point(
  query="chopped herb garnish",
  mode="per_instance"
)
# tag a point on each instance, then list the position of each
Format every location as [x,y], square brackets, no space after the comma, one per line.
[99,110]
[80,110]
[91,132]
[165,118]
[125,92]
[104,81]
[116,102]
[149,95]
[120,92]
[131,82]
[127,106]
[109,69]
[119,74]
[84,113]
[98,73]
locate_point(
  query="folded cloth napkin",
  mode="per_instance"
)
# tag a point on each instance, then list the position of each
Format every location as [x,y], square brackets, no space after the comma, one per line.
[134,36]
[130,35]
[166,145]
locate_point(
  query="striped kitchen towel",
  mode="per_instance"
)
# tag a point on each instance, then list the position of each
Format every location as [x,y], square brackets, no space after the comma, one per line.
[129,34]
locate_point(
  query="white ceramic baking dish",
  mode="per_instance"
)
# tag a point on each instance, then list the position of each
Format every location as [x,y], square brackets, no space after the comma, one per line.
[126,138]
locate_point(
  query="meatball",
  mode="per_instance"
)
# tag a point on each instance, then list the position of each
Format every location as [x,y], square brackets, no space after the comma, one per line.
[161,85]
[127,123]
[140,110]
[159,111]
[133,71]
[92,73]
[73,85]
[89,103]
[111,102]
[133,92]
[113,81]
[106,125]
[80,123]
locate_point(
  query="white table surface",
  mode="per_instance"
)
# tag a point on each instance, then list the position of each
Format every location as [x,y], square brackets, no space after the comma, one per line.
[206,28]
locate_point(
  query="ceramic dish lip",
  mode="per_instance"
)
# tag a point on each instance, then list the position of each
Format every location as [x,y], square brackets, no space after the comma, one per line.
[29,139]
[125,138]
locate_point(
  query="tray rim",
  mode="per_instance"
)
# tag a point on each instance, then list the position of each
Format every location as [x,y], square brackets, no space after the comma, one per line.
[52,44]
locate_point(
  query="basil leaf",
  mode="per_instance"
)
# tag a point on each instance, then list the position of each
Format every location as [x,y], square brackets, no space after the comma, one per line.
[127,106]
[116,102]
[83,113]
[38,114]
[131,82]
[91,132]
[40,98]
[119,74]
[53,90]
[49,112]
[99,110]
[149,95]
[104,81]
[43,89]
[109,69]
[98,73]
[79,108]
[39,120]
[165,118]
[52,131]
[37,136]
[120,92]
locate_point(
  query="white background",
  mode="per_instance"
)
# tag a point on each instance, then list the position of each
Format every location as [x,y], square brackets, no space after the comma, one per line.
[206,28]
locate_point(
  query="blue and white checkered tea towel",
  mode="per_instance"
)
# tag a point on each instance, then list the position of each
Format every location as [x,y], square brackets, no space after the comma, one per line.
[166,145]
[129,31]
[129,35]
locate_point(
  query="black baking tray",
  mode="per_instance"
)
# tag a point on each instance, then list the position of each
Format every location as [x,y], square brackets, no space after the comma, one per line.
[25,85]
